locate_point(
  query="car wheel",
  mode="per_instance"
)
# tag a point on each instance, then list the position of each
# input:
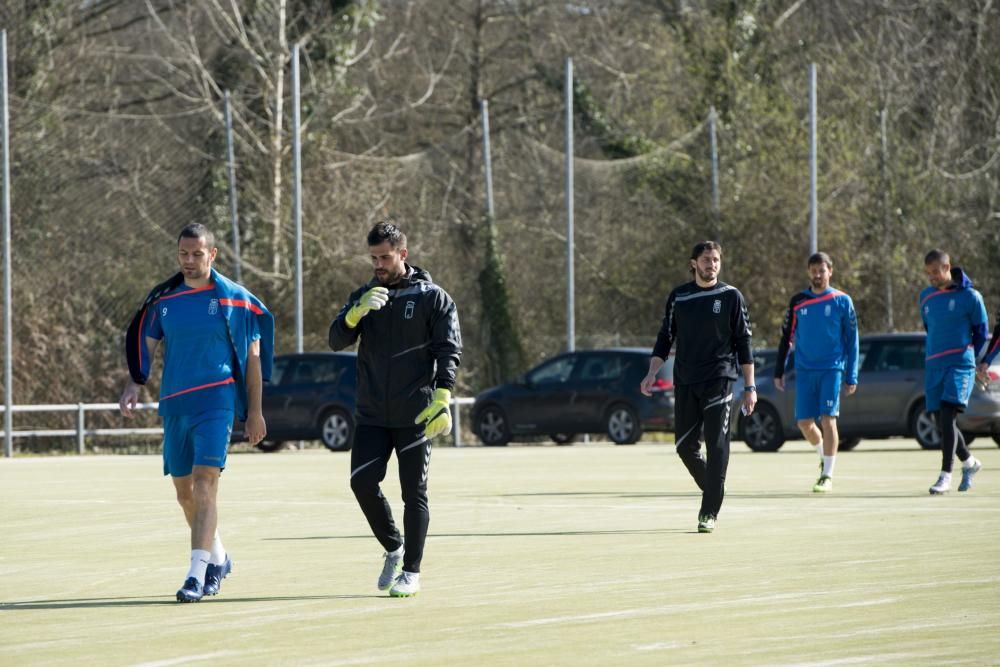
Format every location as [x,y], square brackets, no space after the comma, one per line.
[270,445]
[847,444]
[622,425]
[762,430]
[336,430]
[492,428]
[564,438]
[924,428]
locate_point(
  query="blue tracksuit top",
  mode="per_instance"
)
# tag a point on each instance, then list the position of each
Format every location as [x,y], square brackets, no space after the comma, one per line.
[955,319]
[823,329]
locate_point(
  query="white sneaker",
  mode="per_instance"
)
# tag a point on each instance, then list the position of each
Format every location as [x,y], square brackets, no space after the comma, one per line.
[942,486]
[407,585]
[390,569]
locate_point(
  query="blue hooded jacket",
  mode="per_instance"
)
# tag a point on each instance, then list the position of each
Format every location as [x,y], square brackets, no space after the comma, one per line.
[239,305]
[955,320]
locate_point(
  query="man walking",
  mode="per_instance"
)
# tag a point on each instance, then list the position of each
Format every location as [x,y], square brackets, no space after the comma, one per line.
[708,319]
[823,328]
[409,351]
[954,316]
[218,345]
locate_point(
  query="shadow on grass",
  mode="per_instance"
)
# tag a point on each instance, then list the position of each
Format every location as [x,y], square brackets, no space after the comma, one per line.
[550,533]
[767,495]
[88,603]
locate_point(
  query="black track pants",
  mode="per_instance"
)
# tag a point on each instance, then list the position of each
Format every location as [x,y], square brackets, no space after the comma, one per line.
[704,408]
[373,445]
[952,441]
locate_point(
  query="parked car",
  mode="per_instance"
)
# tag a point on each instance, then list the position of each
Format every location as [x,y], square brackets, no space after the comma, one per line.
[310,396]
[889,400]
[586,391]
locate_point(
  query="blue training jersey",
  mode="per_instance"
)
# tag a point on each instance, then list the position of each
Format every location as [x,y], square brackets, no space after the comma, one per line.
[955,319]
[823,329]
[198,357]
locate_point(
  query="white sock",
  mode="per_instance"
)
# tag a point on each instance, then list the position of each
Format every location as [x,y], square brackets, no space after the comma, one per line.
[199,563]
[946,476]
[969,462]
[397,552]
[819,447]
[218,551]
[828,463]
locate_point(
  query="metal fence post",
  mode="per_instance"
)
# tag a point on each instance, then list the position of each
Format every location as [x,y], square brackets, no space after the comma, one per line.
[456,421]
[81,437]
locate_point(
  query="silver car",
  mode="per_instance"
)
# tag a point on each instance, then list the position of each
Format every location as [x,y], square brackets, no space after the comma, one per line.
[889,400]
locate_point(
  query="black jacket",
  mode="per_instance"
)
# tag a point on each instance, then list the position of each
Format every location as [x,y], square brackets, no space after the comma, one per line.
[408,348]
[712,330]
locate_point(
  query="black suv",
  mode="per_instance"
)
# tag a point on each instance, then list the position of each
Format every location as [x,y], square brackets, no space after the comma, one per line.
[311,396]
[587,391]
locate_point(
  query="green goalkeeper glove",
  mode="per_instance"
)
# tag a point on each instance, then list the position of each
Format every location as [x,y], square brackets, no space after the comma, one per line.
[437,415]
[373,299]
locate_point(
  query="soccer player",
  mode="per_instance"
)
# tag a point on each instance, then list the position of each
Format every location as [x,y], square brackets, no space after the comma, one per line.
[410,349]
[218,343]
[708,319]
[955,318]
[823,328]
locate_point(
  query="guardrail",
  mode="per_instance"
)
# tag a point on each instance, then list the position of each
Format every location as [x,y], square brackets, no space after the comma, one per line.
[81,431]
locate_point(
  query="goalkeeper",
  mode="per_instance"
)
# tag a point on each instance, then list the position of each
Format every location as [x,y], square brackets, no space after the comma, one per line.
[409,351]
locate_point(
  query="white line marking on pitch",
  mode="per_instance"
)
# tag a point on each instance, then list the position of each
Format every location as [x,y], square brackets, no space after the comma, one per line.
[190,658]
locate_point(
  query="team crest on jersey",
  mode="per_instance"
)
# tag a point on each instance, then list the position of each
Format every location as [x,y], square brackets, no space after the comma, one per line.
[827,310]
[213,306]
[717,306]
[408,313]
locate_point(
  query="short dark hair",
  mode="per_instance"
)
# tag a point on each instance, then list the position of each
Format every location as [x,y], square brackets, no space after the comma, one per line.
[700,248]
[196,230]
[820,258]
[387,231]
[936,255]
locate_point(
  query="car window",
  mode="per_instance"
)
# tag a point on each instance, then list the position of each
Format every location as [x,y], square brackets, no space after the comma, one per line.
[763,360]
[327,371]
[278,370]
[553,372]
[903,355]
[600,367]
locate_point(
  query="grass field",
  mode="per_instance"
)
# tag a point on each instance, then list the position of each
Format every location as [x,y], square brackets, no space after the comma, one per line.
[583,555]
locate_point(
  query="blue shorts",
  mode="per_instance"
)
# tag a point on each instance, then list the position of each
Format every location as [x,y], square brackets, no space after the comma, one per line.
[952,384]
[196,440]
[817,394]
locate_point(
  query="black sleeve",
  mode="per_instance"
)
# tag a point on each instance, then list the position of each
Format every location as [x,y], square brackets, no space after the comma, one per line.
[668,330]
[786,340]
[341,335]
[742,332]
[135,346]
[446,340]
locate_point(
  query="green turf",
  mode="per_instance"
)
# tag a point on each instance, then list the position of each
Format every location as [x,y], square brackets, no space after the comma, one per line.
[583,555]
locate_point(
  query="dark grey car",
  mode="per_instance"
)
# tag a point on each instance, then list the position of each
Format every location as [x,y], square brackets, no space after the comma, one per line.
[889,400]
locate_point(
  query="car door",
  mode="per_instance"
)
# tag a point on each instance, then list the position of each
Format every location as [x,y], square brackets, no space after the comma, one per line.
[542,401]
[892,374]
[275,397]
[597,377]
[310,381]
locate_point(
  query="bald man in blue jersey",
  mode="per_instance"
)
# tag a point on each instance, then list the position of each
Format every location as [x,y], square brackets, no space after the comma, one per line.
[823,328]
[218,340]
[954,316]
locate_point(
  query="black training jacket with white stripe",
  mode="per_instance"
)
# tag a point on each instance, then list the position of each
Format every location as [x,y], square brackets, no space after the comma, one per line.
[711,327]
[408,348]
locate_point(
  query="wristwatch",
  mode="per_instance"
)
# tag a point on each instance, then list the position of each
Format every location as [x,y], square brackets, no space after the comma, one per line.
[750,387]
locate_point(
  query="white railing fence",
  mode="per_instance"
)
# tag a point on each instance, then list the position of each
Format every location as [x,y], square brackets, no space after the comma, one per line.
[81,432]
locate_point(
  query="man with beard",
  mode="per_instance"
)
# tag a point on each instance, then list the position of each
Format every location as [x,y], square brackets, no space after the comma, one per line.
[709,321]
[954,316]
[823,328]
[409,351]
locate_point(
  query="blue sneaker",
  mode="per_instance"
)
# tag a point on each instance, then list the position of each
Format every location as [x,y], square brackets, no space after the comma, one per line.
[967,475]
[214,575]
[191,591]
